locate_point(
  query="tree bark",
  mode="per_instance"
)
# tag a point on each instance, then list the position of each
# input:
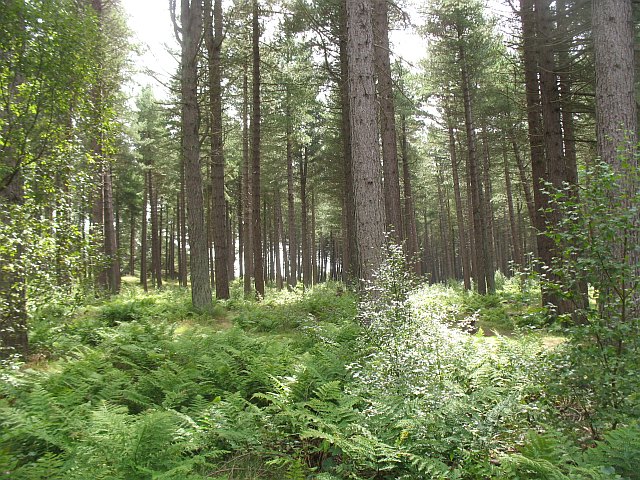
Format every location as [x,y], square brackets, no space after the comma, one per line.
[156,266]
[348,235]
[213,37]
[291,211]
[617,129]
[199,258]
[304,220]
[387,117]
[143,242]
[258,261]
[464,246]
[367,187]
[247,189]
[411,232]
[477,195]
[515,234]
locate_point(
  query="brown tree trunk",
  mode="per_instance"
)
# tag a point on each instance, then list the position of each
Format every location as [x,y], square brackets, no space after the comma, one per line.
[132,242]
[213,37]
[247,189]
[617,130]
[231,245]
[13,294]
[277,238]
[156,266]
[199,258]
[349,255]
[515,234]
[393,209]
[304,221]
[553,141]
[291,212]
[530,55]
[490,264]
[477,194]
[411,232]
[464,246]
[143,241]
[367,186]
[255,146]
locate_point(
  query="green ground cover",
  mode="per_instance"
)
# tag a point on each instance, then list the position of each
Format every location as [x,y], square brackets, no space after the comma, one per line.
[295,387]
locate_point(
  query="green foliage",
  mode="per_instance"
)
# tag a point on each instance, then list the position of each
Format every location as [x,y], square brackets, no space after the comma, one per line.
[598,373]
[146,388]
[554,456]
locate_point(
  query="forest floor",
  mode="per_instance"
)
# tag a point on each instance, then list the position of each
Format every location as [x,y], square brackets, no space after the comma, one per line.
[142,387]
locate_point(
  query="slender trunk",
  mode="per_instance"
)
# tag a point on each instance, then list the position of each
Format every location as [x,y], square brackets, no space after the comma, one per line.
[277,236]
[199,258]
[464,246]
[534,120]
[13,293]
[411,232]
[213,37]
[313,240]
[477,195]
[392,206]
[515,234]
[247,189]
[132,242]
[156,267]
[240,210]
[553,141]
[255,145]
[291,212]
[304,221]
[143,242]
[349,252]
[231,244]
[490,264]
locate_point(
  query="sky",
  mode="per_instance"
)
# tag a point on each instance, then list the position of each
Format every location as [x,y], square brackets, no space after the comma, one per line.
[152,30]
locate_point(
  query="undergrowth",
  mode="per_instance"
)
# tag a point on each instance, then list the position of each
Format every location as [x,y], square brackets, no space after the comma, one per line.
[301,385]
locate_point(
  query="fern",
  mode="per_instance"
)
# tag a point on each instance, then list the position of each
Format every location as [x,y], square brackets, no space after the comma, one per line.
[620,450]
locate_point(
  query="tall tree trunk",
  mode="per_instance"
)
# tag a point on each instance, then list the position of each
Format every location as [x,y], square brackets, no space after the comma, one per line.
[490,264]
[247,189]
[143,242]
[314,239]
[277,236]
[132,241]
[617,129]
[156,267]
[464,246]
[553,142]
[367,187]
[530,55]
[387,117]
[304,220]
[291,212]
[349,255]
[515,234]
[411,232]
[183,229]
[199,258]
[213,37]
[255,146]
[13,292]
[477,195]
